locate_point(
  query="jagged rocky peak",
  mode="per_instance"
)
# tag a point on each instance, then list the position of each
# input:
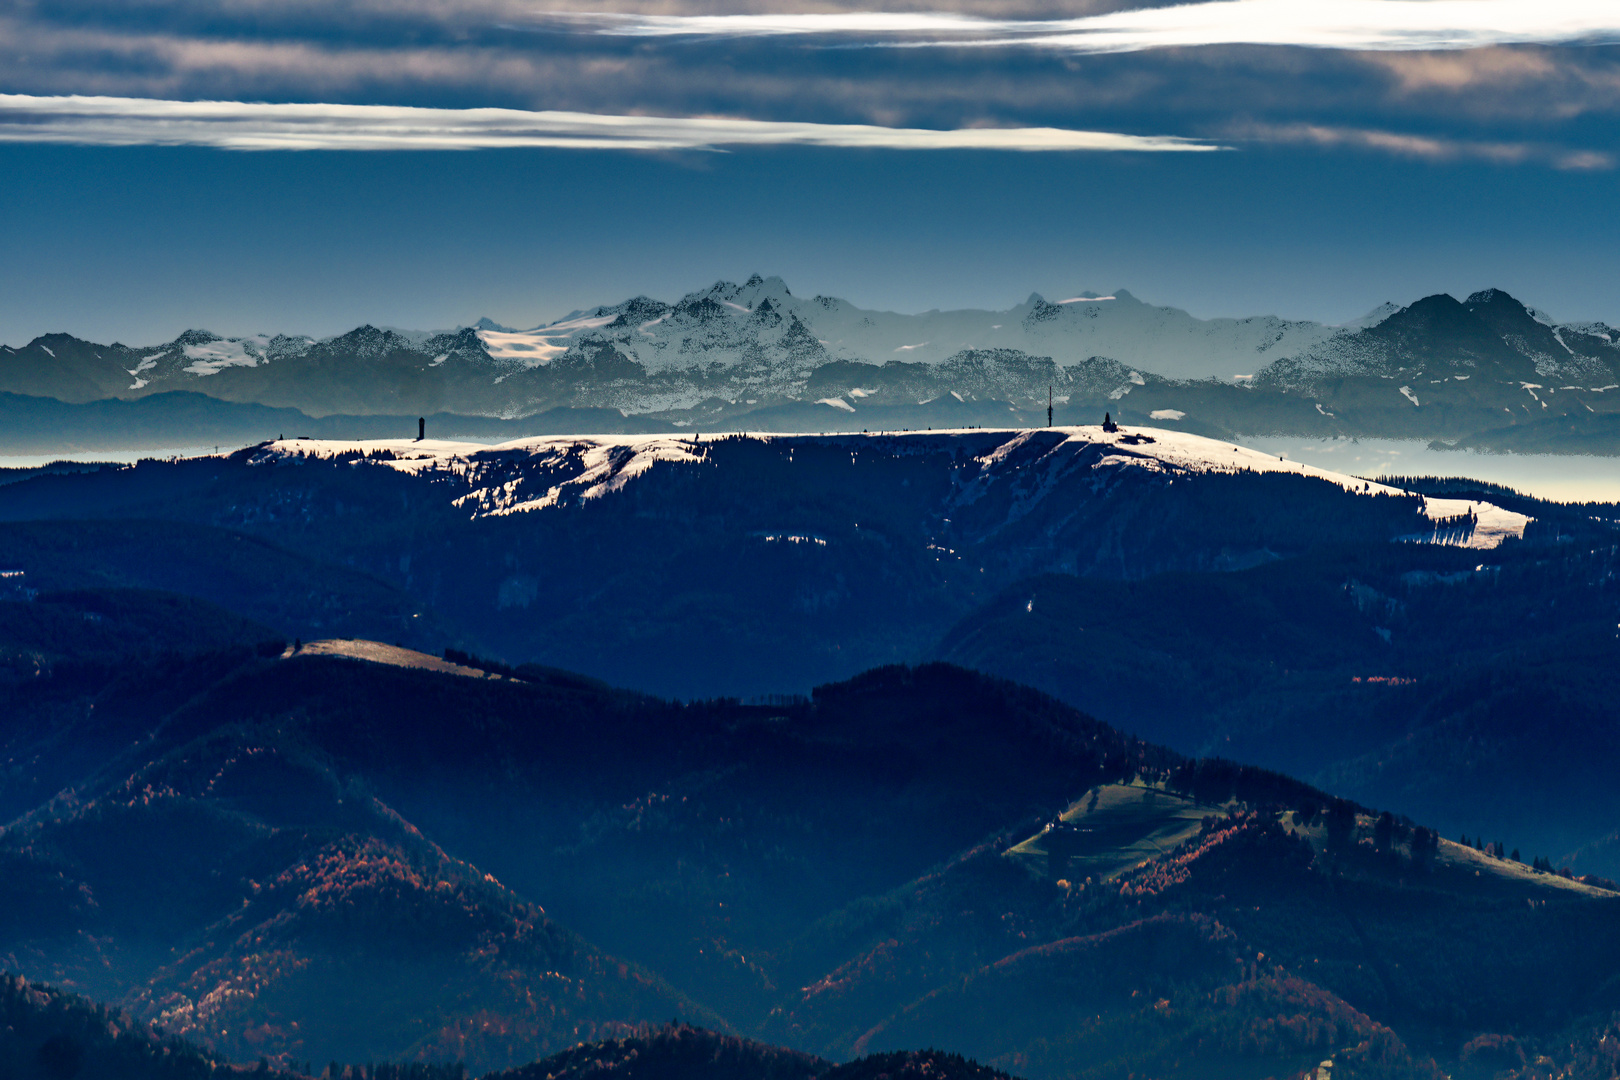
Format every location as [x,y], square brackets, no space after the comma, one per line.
[639,311]
[801,343]
[1497,302]
[758,289]
[368,340]
[486,323]
[463,344]
[1373,317]
[288,345]
[1512,319]
[1490,296]
[54,341]
[1040,309]
[765,314]
[748,294]
[1435,313]
[699,308]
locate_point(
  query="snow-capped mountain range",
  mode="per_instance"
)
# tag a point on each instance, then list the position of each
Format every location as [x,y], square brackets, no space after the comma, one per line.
[755,356]
[728,320]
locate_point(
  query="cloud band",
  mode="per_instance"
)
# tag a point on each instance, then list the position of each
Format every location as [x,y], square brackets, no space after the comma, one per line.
[235,125]
[1367,25]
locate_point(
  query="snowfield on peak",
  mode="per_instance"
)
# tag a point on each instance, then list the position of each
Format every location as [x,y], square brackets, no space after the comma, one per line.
[543,473]
[209,357]
[528,474]
[728,324]
[755,356]
[542,344]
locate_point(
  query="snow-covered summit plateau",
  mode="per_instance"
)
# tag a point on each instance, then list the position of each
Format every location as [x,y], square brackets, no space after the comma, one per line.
[1037,464]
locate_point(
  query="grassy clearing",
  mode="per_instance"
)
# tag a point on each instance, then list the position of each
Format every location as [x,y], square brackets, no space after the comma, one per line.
[1118,827]
[1457,866]
[1466,860]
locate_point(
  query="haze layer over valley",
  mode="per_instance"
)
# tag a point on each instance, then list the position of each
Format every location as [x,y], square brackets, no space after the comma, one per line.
[1194,592]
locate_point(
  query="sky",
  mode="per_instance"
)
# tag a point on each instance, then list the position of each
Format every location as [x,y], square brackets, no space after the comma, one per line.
[296,166]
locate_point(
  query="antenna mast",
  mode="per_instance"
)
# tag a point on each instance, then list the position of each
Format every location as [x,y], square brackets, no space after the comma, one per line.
[1048,406]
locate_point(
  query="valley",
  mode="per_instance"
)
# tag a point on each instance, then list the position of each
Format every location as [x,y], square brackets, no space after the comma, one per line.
[844,874]
[1198,594]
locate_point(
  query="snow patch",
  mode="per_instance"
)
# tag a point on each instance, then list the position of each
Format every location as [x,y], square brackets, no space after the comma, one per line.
[792,538]
[837,403]
[1406,392]
[1194,453]
[47,348]
[1492,523]
[215,356]
[532,348]
[1167,414]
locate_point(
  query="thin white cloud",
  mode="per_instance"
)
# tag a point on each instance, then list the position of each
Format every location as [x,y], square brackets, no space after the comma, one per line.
[1366,25]
[236,125]
[1425,147]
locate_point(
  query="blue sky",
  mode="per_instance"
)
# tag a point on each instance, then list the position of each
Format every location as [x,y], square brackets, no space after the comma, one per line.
[424,162]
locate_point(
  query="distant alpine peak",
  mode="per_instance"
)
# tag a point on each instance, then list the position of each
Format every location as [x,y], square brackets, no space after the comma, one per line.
[731,348]
[749,294]
[197,337]
[1374,317]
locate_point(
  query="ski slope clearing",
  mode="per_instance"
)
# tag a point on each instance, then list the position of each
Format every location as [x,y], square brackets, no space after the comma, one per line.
[376,652]
[1114,829]
[541,473]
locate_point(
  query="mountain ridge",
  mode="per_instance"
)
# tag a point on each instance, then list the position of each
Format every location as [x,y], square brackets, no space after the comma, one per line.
[1123,571]
[720,355]
[319,857]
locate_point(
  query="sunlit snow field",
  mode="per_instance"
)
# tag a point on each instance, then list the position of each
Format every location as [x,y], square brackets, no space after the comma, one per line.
[118,457]
[1561,477]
